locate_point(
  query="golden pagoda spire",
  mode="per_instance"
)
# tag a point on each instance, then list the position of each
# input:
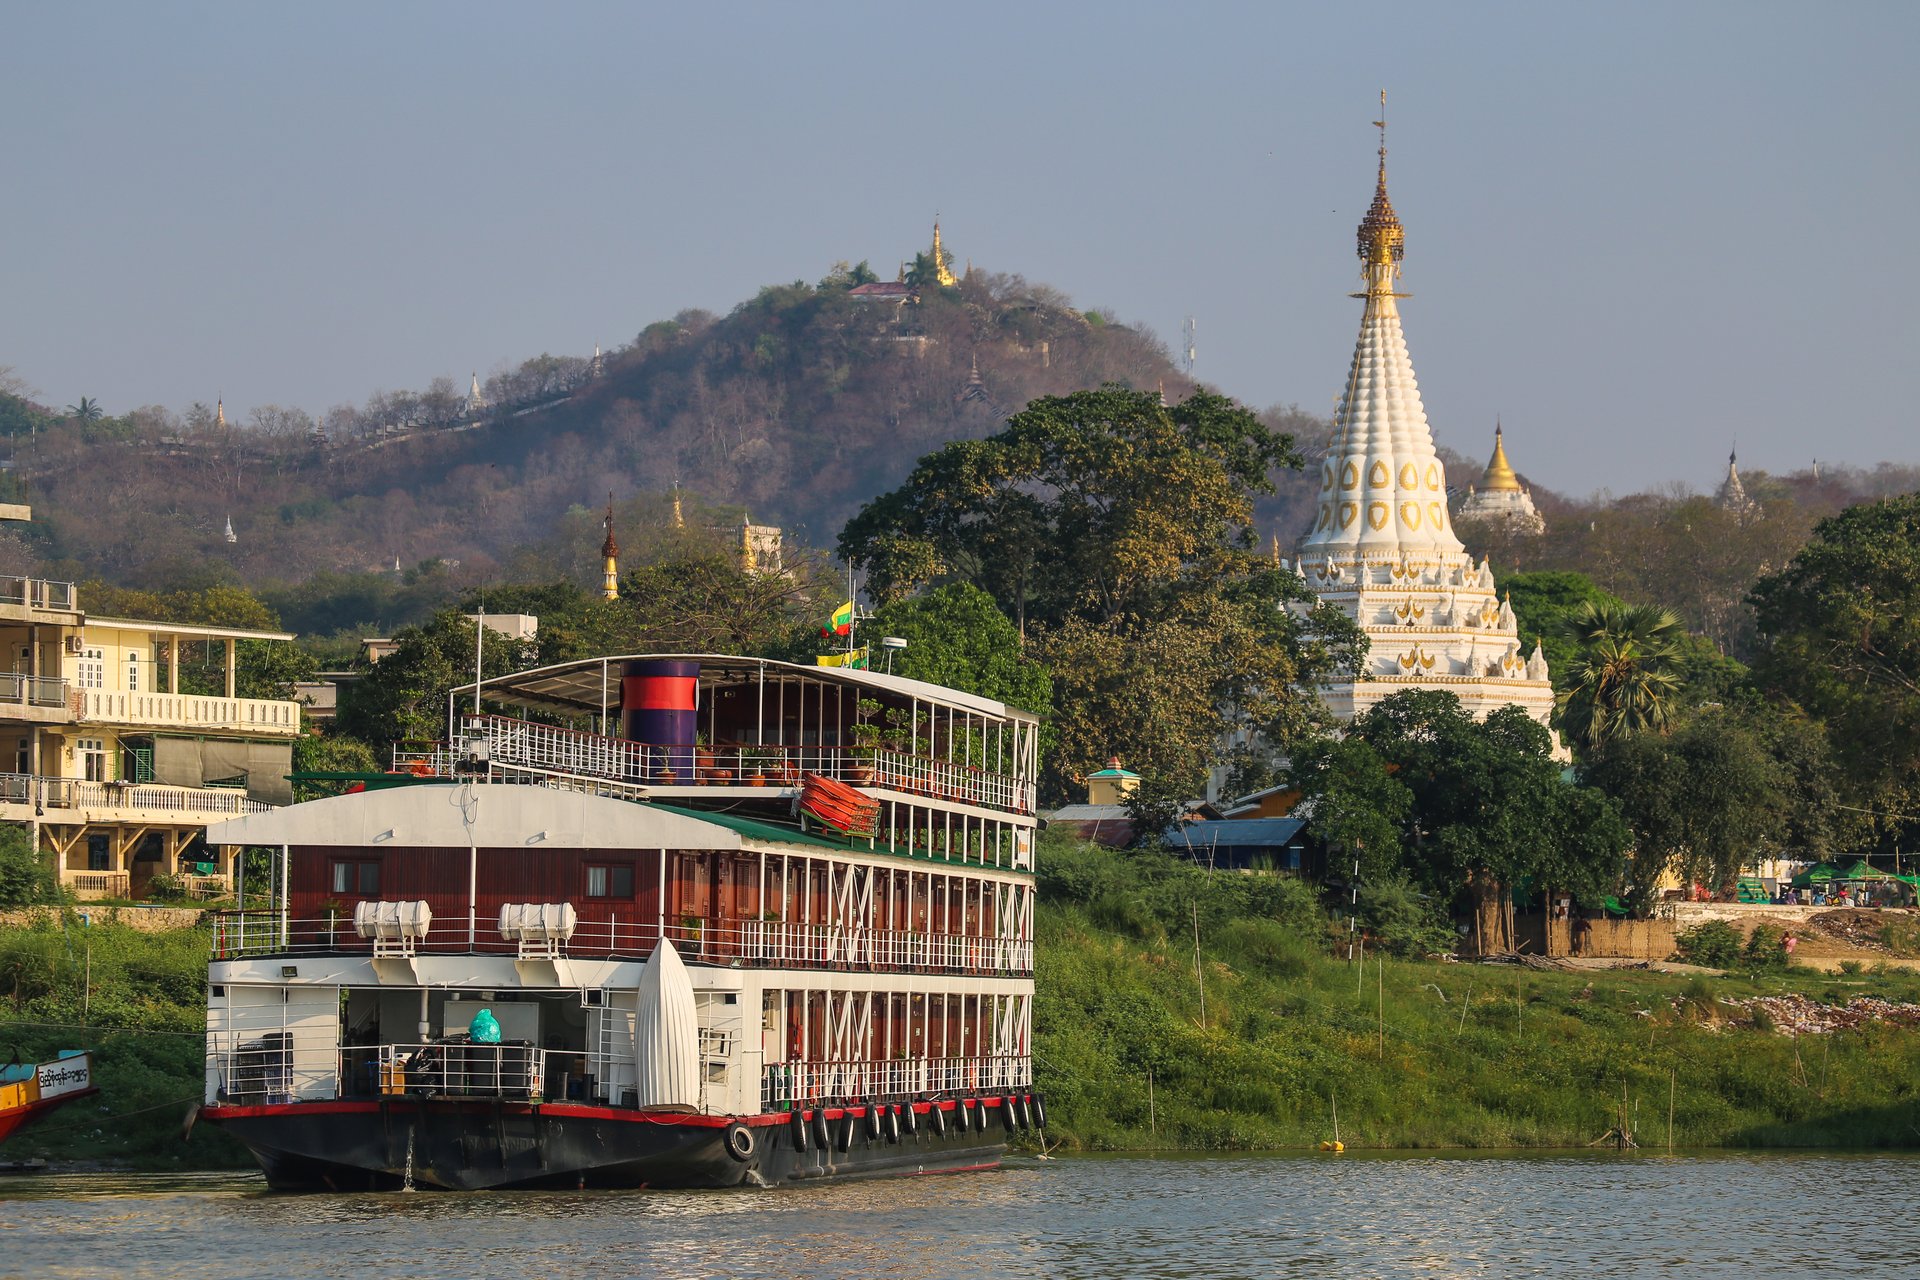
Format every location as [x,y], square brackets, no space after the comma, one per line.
[1499,475]
[679,518]
[748,561]
[609,559]
[1382,240]
[942,273]
[1276,551]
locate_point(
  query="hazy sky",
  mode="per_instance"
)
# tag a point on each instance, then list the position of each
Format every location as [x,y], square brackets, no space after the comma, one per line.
[1637,232]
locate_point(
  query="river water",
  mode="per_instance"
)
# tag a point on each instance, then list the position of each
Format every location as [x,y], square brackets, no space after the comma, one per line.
[1357,1215]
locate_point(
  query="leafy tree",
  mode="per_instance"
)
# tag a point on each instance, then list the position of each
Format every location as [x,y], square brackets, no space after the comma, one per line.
[1358,805]
[25,876]
[330,753]
[1842,639]
[956,636]
[1091,505]
[1489,809]
[403,697]
[1624,677]
[1544,602]
[88,410]
[711,604]
[1702,802]
[1114,531]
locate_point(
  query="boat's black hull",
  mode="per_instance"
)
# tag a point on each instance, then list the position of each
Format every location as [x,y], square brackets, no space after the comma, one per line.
[474,1145]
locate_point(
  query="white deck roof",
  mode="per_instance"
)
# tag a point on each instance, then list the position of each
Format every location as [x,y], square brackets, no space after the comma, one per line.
[593,684]
[503,815]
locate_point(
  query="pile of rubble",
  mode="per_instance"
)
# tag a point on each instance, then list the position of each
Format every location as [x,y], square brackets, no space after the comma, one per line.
[1794,1015]
[1858,926]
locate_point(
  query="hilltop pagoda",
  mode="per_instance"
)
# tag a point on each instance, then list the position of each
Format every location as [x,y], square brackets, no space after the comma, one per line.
[1382,548]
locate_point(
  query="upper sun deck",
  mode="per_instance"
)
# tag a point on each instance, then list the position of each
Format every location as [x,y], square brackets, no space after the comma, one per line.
[709,724]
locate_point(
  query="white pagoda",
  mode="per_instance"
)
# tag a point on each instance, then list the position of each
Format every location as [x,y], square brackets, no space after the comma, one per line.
[1382,548]
[1501,498]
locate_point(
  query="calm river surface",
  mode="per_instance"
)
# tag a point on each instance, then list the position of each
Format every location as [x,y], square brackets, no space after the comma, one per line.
[1355,1215]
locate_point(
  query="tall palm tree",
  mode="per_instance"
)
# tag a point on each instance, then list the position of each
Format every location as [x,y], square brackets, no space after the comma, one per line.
[88,410]
[1625,671]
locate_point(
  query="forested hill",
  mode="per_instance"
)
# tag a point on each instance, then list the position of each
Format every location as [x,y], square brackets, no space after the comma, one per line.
[797,407]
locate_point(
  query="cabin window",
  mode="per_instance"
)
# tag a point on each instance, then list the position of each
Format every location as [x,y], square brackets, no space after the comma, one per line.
[615,881]
[359,879]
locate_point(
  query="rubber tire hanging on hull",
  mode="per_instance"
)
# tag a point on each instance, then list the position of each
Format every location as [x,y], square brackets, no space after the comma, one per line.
[799,1126]
[740,1143]
[822,1132]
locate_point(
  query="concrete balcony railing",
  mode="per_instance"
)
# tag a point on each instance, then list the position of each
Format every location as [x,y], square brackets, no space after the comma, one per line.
[39,594]
[98,884]
[187,711]
[150,799]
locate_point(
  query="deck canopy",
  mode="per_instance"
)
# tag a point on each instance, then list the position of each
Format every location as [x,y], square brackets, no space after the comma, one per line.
[592,685]
[502,816]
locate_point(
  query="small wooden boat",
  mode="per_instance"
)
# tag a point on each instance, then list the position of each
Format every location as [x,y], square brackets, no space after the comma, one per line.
[29,1091]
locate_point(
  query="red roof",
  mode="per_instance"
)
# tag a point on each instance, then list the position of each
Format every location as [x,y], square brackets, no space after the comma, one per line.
[882,289]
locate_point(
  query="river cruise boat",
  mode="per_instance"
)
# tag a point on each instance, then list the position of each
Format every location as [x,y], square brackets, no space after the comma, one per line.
[731,921]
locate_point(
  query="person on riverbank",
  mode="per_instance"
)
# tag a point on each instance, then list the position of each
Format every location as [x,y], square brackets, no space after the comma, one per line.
[1787,943]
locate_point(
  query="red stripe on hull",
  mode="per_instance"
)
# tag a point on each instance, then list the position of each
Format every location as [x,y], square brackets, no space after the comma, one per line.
[20,1117]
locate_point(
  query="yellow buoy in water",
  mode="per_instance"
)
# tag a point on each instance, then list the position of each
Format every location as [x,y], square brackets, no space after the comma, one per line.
[1333,1146]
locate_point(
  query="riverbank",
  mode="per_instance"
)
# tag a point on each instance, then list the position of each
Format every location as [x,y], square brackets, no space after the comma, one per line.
[1417,1054]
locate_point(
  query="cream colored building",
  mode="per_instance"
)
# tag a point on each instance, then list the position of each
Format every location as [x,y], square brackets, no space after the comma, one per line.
[113,768]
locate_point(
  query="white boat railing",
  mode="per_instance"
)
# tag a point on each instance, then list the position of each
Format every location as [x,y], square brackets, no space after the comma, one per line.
[791,1084]
[569,752]
[750,944]
[271,1067]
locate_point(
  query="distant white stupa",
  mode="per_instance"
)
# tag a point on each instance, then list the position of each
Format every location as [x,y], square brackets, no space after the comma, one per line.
[1500,497]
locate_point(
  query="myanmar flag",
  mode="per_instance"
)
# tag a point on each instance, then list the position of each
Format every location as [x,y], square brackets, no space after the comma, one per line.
[842,621]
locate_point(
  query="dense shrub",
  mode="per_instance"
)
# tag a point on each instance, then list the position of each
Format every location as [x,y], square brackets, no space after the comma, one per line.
[1402,921]
[1715,944]
[1763,949]
[25,877]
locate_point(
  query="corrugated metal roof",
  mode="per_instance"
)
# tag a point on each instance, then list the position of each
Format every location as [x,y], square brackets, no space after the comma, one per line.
[1234,833]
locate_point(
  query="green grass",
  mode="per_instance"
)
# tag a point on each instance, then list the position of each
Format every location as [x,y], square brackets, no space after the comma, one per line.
[1418,1054]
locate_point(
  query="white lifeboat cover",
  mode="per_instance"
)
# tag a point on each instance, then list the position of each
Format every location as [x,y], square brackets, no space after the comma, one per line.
[538,921]
[666,1033]
[392,921]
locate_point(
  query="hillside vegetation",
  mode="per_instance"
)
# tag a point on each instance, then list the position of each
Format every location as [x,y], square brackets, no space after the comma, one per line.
[796,406]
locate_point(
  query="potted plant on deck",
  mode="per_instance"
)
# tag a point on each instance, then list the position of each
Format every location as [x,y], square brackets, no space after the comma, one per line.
[868,734]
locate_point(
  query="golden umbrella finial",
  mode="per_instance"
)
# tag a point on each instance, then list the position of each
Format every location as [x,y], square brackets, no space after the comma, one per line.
[1381,237]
